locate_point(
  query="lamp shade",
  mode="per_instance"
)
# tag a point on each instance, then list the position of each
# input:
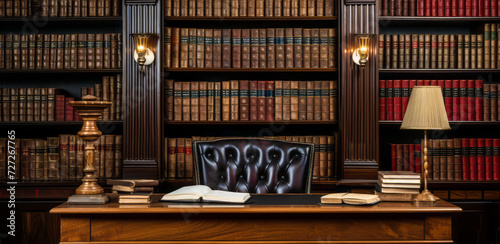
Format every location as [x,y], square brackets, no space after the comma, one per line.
[426,110]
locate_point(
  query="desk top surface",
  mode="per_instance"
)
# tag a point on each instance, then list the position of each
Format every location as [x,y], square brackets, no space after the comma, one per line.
[286,203]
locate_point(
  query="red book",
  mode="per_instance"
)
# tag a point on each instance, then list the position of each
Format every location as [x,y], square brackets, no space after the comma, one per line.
[455,91]
[420,8]
[474,11]
[382,98]
[480,160]
[487,10]
[496,159]
[427,82]
[479,100]
[261,101]
[454,8]
[461,8]
[468,8]
[435,83]
[68,110]
[244,100]
[465,159]
[405,95]
[471,116]
[389,100]
[448,99]
[428,8]
[434,9]
[463,100]
[420,82]
[393,157]
[480,8]
[413,83]
[473,158]
[418,158]
[270,100]
[440,11]
[493,8]
[447,8]
[397,100]
[488,151]
[254,90]
[60,107]
[412,157]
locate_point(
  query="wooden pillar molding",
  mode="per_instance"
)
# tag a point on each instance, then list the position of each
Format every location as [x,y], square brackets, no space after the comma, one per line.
[142,129]
[359,86]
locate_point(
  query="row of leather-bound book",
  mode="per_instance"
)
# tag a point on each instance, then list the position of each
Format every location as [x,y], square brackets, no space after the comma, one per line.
[60,8]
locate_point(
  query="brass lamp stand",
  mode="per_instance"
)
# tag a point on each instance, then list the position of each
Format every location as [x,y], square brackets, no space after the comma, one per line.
[89,110]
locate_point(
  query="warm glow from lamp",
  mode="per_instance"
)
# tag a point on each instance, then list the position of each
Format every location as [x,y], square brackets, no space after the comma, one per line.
[143,55]
[360,54]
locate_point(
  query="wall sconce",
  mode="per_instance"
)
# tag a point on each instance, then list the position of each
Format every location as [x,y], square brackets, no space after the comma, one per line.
[143,55]
[360,54]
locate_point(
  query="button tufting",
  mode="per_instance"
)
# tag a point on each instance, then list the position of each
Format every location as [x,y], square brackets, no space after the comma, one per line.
[230,155]
[222,177]
[283,177]
[296,155]
[274,155]
[241,176]
[262,177]
[209,155]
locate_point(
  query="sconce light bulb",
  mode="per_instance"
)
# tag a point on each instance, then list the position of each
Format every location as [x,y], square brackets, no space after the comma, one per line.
[140,48]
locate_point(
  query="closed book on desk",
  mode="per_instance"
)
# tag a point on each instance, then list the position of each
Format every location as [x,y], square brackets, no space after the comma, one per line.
[397,190]
[350,198]
[399,181]
[201,193]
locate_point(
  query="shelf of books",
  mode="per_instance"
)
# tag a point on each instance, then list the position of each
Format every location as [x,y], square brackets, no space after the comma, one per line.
[256,68]
[464,163]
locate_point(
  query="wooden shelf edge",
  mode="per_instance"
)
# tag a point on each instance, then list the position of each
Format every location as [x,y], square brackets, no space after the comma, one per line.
[250,70]
[318,122]
[56,123]
[436,71]
[61,19]
[451,122]
[55,71]
[248,18]
[425,18]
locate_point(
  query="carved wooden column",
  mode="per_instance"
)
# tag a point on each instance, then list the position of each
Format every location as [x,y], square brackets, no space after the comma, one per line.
[359,86]
[142,129]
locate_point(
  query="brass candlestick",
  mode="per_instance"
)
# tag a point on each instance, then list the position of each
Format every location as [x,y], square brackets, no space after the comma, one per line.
[89,110]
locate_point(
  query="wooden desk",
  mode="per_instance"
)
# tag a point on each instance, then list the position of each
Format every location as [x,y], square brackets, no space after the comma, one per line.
[386,222]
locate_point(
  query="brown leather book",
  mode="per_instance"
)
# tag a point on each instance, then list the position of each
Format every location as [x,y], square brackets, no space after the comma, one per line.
[2,8]
[253,97]
[200,48]
[494,37]
[177,100]
[427,51]
[286,100]
[186,101]
[268,8]
[53,7]
[53,158]
[71,51]
[175,47]
[39,157]
[297,47]
[184,47]
[180,157]
[294,100]
[487,45]
[395,51]
[188,158]
[320,8]
[494,91]
[51,103]
[261,100]
[115,11]
[109,156]
[467,51]
[250,8]
[192,7]
[167,46]
[16,51]
[217,12]
[170,166]
[270,100]
[84,8]
[64,156]
[195,100]
[234,8]
[234,100]
[236,48]
[99,52]
[381,54]
[25,159]
[32,159]
[387,49]
[439,59]
[119,53]
[317,100]
[226,48]
[29,104]
[442,159]
[271,48]
[206,50]
[278,106]
[317,48]
[487,102]
[24,52]
[278,8]
[53,52]
[58,51]
[401,51]
[226,101]
[91,51]
[323,48]
[294,11]
[169,100]
[14,104]
[106,96]
[44,8]
[44,104]
[2,50]
[82,51]
[303,100]
[323,157]
[407,51]
[16,8]
[306,48]
[118,151]
[449,159]
[330,8]
[226,8]
[311,8]
[92,7]
[254,48]
[245,48]
[114,51]
[259,8]
[325,100]
[118,98]
[446,51]
[184,6]
[217,48]
[112,96]
[303,7]
[208,8]
[22,104]
[453,52]
[479,52]
[460,51]
[457,159]
[203,86]
[310,100]
[210,101]
[473,51]
[289,45]
[79,157]
[332,48]
[104,8]
[316,167]
[333,100]
[262,48]
[37,104]
[192,48]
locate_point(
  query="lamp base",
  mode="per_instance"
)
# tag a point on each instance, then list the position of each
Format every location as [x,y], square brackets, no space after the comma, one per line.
[425,196]
[94,199]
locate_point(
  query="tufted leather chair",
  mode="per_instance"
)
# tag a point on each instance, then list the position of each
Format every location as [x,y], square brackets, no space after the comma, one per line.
[254,165]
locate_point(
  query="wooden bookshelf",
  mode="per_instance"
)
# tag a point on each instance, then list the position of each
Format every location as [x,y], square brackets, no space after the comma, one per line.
[294,122]
[41,20]
[247,18]
[57,71]
[55,123]
[468,123]
[408,19]
[438,71]
[238,70]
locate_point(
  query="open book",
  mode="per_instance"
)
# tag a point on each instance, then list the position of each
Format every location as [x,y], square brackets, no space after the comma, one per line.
[350,198]
[201,193]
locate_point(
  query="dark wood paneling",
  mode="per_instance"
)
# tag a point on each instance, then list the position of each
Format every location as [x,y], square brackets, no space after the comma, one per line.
[359,86]
[142,123]
[437,228]
[75,228]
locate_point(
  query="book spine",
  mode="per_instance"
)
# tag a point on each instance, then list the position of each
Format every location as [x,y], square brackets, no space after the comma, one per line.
[203,100]
[382,100]
[463,100]
[234,100]
[478,92]
[294,100]
[390,99]
[194,100]
[325,100]
[171,158]
[465,159]
[278,92]
[303,100]
[262,48]
[473,158]
[245,49]
[488,158]
[287,100]
[211,101]
[254,95]
[184,48]
[181,157]
[186,101]
[236,48]
[226,101]
[270,100]
[226,48]
[192,38]
[280,47]
[244,103]
[496,159]
[448,98]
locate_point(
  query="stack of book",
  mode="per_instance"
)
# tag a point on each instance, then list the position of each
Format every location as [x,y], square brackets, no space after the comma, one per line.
[133,191]
[397,186]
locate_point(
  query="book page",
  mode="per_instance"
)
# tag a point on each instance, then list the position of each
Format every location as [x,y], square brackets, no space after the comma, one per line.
[187,193]
[226,196]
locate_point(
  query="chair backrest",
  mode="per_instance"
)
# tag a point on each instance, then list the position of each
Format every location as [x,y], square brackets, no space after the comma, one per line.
[254,165]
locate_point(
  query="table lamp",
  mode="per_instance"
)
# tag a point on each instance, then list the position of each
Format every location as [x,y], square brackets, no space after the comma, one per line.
[425,111]
[89,110]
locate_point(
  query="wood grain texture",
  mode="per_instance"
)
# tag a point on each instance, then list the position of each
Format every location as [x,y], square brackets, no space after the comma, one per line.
[437,227]
[278,227]
[442,194]
[75,228]
[39,228]
[267,242]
